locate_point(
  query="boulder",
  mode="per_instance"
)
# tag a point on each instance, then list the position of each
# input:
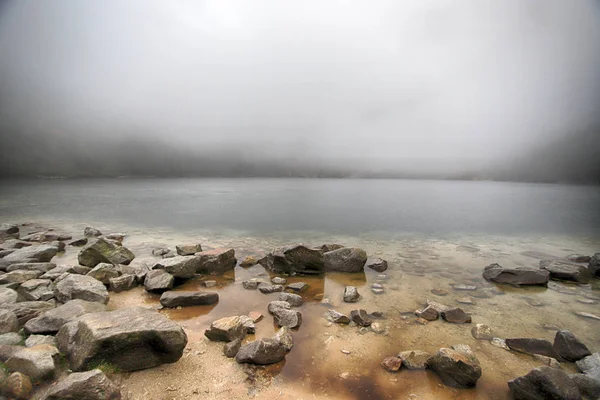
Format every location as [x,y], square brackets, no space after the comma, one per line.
[351,294]
[569,347]
[4,253]
[36,290]
[284,336]
[284,317]
[81,287]
[60,270]
[216,262]
[392,364]
[11,339]
[34,340]
[532,346]
[594,265]
[8,229]
[579,258]
[456,366]
[130,339]
[565,270]
[104,251]
[360,317]
[40,253]
[251,284]
[278,280]
[304,260]
[15,244]
[89,385]
[122,283]
[104,271]
[293,299]
[188,249]
[8,296]
[50,322]
[226,329]
[278,304]
[17,386]
[297,286]
[265,288]
[325,248]
[337,317]
[19,276]
[544,383]
[161,252]
[38,362]
[158,280]
[188,298]
[588,386]
[91,232]
[44,267]
[516,276]
[261,352]
[414,359]
[26,310]
[347,259]
[429,313]
[8,322]
[456,316]
[589,364]
[377,264]
[482,332]
[248,261]
[180,267]
[231,349]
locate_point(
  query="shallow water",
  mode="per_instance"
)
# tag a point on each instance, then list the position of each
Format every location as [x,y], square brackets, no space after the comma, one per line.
[419,261]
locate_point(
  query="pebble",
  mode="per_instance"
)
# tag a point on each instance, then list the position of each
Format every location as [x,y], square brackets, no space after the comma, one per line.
[462,286]
[422,321]
[464,300]
[499,343]
[439,292]
[377,291]
[345,351]
[377,327]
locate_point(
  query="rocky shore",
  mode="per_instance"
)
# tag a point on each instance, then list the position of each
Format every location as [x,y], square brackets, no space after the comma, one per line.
[61,338]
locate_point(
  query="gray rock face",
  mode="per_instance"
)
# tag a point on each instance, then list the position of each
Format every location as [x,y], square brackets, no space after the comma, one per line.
[40,253]
[26,310]
[34,340]
[104,251]
[544,383]
[516,276]
[188,298]
[36,290]
[569,347]
[8,296]
[188,249]
[44,267]
[231,349]
[261,352]
[588,387]
[122,283]
[293,299]
[360,317]
[52,320]
[457,367]
[11,339]
[130,339]
[336,317]
[19,276]
[414,359]
[564,270]
[377,264]
[158,280]
[347,259]
[429,313]
[89,385]
[532,346]
[38,362]
[91,232]
[284,336]
[351,294]
[104,271]
[81,287]
[8,322]
[226,329]
[456,316]
[215,262]
[180,267]
[265,288]
[594,265]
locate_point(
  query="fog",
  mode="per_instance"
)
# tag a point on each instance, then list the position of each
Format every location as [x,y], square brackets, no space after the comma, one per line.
[391,88]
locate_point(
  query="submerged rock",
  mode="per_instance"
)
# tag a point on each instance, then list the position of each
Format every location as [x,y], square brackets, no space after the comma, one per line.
[265,288]
[89,385]
[351,294]
[130,339]
[377,264]
[569,347]
[457,367]
[216,262]
[80,287]
[104,251]
[360,317]
[261,352]
[297,286]
[392,364]
[429,313]
[79,242]
[456,316]
[414,359]
[346,259]
[516,276]
[252,284]
[578,258]
[482,332]
[188,298]
[564,270]
[544,383]
[532,346]
[226,329]
[278,280]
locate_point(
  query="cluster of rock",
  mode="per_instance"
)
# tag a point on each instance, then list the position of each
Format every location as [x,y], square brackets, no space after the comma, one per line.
[434,310]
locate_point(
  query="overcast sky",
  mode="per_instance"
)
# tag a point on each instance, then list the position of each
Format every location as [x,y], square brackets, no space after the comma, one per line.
[413,82]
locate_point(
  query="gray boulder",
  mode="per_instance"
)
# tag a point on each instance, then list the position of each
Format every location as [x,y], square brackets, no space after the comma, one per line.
[294,300]
[180,267]
[266,288]
[81,287]
[377,264]
[38,362]
[8,322]
[34,340]
[302,259]
[336,317]
[11,339]
[89,385]
[91,232]
[346,259]
[104,272]
[226,329]
[482,332]
[8,230]
[122,283]
[188,298]
[17,386]
[60,270]
[565,270]
[456,366]
[516,276]
[456,316]
[52,320]
[104,251]
[360,317]
[231,349]
[590,364]
[26,310]
[8,296]
[569,347]
[285,317]
[588,386]
[129,339]
[351,294]
[216,262]
[44,267]
[544,383]
[284,336]
[532,346]
[594,265]
[39,253]
[261,352]
[19,276]
[158,280]
[36,290]
[188,249]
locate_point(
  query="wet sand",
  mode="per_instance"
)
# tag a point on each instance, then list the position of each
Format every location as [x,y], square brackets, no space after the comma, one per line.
[316,367]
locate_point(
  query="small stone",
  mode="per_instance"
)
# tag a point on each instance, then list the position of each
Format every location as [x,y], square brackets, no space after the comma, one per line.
[344,351]
[414,359]
[376,264]
[587,301]
[265,288]
[498,342]
[456,316]
[278,281]
[360,317]
[210,284]
[439,292]
[392,364]
[188,249]
[255,315]
[464,287]
[569,347]
[293,299]
[226,329]
[230,349]
[482,332]
[337,317]
[249,261]
[377,290]
[377,327]
[351,294]
[421,321]
[429,313]
[587,315]
[251,284]
[17,385]
[457,366]
[297,286]
[549,361]
[465,300]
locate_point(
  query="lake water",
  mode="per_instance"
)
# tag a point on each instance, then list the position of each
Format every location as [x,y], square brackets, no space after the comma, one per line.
[434,234]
